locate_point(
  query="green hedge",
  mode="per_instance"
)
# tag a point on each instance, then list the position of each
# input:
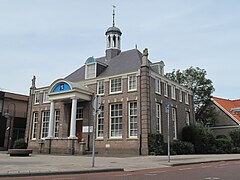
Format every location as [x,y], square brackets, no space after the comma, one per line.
[156,145]
[182,147]
[201,137]
[235,137]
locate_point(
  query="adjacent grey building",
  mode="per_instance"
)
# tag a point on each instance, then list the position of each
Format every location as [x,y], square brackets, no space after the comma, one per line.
[133,91]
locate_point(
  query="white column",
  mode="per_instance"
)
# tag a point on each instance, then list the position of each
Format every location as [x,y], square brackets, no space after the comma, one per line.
[119,42]
[73,119]
[51,120]
[111,41]
[117,46]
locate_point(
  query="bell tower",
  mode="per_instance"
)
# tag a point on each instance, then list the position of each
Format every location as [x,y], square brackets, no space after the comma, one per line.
[113,39]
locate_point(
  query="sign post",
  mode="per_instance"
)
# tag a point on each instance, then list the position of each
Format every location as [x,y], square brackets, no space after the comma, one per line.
[167,107]
[96,105]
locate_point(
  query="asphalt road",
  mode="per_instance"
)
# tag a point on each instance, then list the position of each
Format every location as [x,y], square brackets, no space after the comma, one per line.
[229,170]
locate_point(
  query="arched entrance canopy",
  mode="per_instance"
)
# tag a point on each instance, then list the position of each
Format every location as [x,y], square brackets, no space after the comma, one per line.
[63,89]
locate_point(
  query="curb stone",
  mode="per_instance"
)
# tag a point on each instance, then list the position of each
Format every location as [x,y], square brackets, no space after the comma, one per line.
[61,172]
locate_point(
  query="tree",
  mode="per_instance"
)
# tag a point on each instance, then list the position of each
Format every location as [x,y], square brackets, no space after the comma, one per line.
[195,78]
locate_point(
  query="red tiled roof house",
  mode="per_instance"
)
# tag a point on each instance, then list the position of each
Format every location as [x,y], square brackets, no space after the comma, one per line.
[228,115]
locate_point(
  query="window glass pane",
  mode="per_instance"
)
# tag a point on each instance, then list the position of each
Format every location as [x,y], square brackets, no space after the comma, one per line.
[37,98]
[101,87]
[34,125]
[133,119]
[158,86]
[91,70]
[116,120]
[57,119]
[116,85]
[158,118]
[45,123]
[100,121]
[132,82]
[45,97]
[79,114]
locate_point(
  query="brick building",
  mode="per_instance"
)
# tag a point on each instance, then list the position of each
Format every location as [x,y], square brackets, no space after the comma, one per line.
[13,117]
[134,92]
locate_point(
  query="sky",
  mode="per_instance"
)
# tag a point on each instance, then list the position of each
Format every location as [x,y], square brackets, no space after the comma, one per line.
[52,38]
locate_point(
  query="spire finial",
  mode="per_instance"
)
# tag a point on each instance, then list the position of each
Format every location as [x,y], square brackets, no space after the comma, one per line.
[114,7]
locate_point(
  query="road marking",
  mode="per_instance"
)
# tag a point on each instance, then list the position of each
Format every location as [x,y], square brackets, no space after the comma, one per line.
[183,169]
[214,178]
[149,174]
[206,166]
[125,175]
[153,172]
[62,178]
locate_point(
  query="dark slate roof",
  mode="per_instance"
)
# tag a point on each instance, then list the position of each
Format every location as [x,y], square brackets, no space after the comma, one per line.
[125,62]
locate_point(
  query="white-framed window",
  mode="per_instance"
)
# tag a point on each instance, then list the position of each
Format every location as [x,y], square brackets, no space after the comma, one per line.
[90,70]
[187,118]
[180,95]
[165,89]
[133,120]
[34,125]
[45,97]
[186,98]
[100,122]
[159,118]
[57,120]
[158,86]
[132,82]
[37,98]
[173,92]
[116,85]
[45,123]
[174,123]
[116,120]
[79,114]
[100,87]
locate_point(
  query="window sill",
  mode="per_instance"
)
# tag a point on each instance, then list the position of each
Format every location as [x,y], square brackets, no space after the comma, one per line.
[114,93]
[46,102]
[100,94]
[99,139]
[115,139]
[132,139]
[132,90]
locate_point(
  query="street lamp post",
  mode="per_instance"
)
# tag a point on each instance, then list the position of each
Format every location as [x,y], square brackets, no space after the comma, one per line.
[10,118]
[167,106]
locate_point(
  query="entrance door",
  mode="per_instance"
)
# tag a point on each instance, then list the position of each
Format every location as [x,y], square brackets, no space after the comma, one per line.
[79,130]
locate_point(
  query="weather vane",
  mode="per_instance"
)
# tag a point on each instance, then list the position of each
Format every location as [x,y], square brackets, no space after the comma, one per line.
[114,7]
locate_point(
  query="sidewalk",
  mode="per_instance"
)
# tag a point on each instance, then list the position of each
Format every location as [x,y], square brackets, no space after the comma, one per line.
[39,164]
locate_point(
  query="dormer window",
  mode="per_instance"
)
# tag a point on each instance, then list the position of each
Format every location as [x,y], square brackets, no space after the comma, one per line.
[161,68]
[90,68]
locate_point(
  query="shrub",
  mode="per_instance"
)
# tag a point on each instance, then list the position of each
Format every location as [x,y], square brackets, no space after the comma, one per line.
[182,147]
[223,145]
[156,144]
[235,150]
[20,144]
[235,137]
[201,137]
[221,136]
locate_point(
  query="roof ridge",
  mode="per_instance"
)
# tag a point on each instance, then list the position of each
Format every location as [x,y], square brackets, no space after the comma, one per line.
[232,100]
